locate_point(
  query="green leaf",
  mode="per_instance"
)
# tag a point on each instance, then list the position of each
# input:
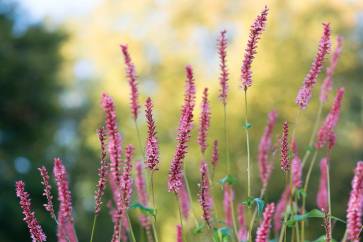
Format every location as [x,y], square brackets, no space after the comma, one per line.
[315,213]
[145,210]
[247,125]
[228,179]
[337,219]
[300,193]
[199,228]
[222,233]
[260,205]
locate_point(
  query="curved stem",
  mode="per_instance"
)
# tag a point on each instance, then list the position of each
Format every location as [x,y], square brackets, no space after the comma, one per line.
[234,219]
[249,238]
[154,231]
[93,227]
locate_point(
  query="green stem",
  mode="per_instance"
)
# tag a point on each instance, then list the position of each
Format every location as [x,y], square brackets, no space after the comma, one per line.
[139,140]
[180,214]
[248,148]
[329,199]
[313,134]
[93,227]
[226,143]
[249,238]
[283,229]
[190,196]
[305,191]
[131,230]
[234,219]
[154,231]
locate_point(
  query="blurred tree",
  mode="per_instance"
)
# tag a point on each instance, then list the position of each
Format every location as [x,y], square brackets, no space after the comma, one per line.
[29,114]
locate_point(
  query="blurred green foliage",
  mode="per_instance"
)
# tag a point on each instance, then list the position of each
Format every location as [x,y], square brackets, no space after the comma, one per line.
[163,37]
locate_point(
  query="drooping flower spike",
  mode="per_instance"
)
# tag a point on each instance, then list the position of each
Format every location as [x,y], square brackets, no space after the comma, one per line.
[354,211]
[264,148]
[224,75]
[185,127]
[305,92]
[131,78]
[204,122]
[263,231]
[284,161]
[327,85]
[114,139]
[102,171]
[205,198]
[47,191]
[152,144]
[326,134]
[255,34]
[36,231]
[322,195]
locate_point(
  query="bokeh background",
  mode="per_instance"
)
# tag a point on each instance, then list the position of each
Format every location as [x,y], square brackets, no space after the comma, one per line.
[57,57]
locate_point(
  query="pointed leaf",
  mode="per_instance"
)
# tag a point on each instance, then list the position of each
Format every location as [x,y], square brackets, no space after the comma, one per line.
[315,213]
[247,125]
[145,210]
[230,180]
[260,205]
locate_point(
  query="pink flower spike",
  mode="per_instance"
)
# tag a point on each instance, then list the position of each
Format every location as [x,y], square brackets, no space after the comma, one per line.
[264,148]
[205,199]
[255,34]
[228,203]
[152,145]
[204,122]
[354,211]
[65,218]
[179,233]
[326,135]
[184,201]
[47,191]
[328,81]
[36,231]
[305,93]
[102,171]
[185,127]
[322,195]
[280,209]
[215,154]
[131,77]
[223,77]
[115,141]
[263,231]
[284,162]
[126,180]
[141,191]
[242,231]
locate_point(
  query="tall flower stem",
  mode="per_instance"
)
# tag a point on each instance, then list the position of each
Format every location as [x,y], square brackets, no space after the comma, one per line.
[155,233]
[305,190]
[189,195]
[93,227]
[287,210]
[131,230]
[226,143]
[180,214]
[329,199]
[234,220]
[263,190]
[139,139]
[247,146]
[313,134]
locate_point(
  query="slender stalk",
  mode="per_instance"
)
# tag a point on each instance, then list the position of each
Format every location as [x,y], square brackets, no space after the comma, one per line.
[329,199]
[93,227]
[249,238]
[131,230]
[344,239]
[180,214]
[248,148]
[154,231]
[190,196]
[313,134]
[226,143]
[283,229]
[152,189]
[305,190]
[234,219]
